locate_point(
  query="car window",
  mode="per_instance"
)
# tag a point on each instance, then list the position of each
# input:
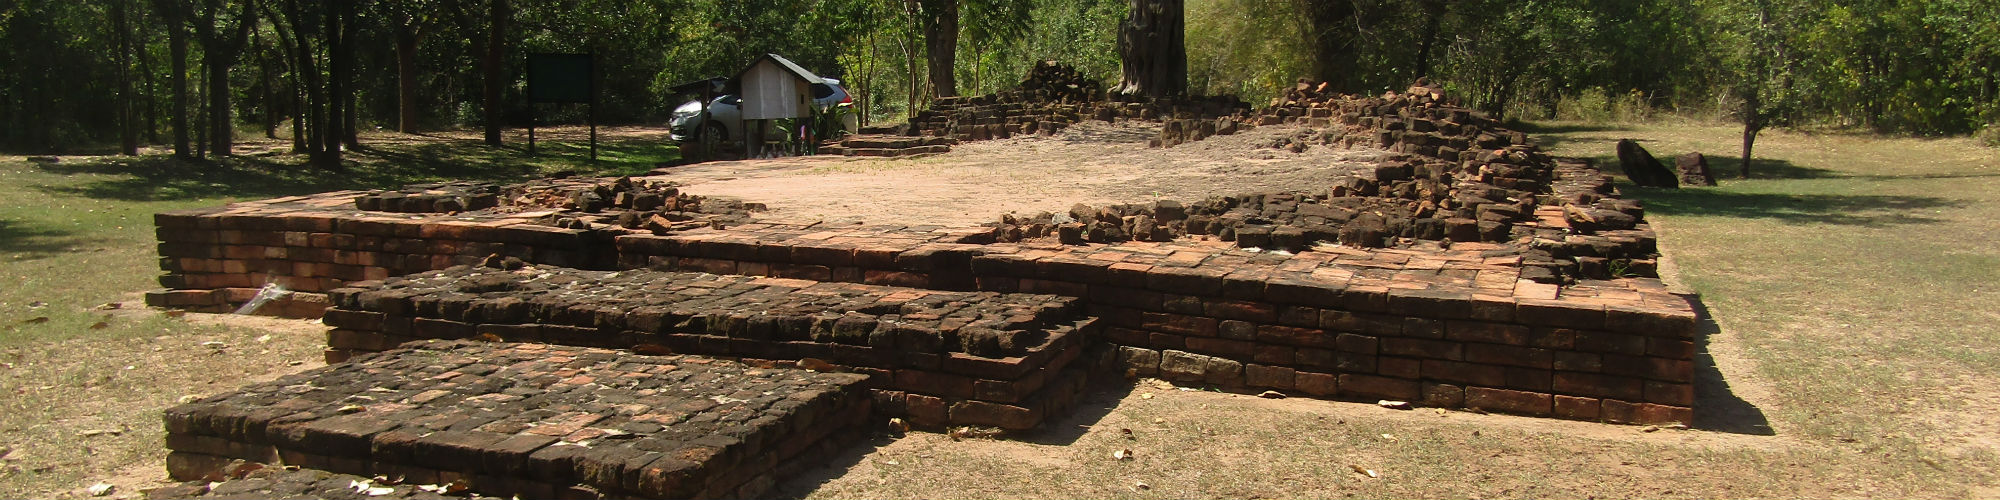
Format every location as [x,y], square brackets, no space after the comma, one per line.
[732,100]
[821,91]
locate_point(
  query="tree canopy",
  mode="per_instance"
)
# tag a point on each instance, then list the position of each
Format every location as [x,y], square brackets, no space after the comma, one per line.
[81,75]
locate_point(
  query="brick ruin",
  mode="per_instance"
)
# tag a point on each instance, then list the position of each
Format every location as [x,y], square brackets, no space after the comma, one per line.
[1466,270]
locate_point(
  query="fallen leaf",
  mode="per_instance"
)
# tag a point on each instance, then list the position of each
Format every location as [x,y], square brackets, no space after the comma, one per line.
[215,345]
[816,364]
[35,320]
[1391,437]
[109,306]
[1365,471]
[1393,405]
[1126,432]
[101,489]
[898,425]
[1141,485]
[1146,396]
[892,462]
[37,304]
[264,338]
[1159,420]
[100,432]
[1122,454]
[1650,428]
[100,325]
[359,408]
[1271,395]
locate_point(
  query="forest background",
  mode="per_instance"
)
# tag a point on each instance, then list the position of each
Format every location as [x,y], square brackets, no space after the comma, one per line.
[104,74]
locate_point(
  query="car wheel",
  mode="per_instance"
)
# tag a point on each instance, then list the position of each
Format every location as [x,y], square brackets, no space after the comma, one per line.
[713,137]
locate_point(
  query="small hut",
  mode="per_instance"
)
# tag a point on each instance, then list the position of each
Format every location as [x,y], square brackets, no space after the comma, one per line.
[773,88]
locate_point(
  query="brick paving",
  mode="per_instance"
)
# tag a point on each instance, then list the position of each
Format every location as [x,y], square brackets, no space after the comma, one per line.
[533,420]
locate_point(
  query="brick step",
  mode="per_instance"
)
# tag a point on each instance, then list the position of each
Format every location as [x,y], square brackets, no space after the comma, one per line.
[533,420]
[965,358]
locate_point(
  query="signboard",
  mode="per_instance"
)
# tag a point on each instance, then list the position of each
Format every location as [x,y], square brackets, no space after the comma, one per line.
[559,78]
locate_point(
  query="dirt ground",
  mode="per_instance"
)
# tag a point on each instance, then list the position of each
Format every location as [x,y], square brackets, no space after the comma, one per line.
[1094,162]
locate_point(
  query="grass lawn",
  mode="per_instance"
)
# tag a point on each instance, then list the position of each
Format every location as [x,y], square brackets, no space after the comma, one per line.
[1852,282]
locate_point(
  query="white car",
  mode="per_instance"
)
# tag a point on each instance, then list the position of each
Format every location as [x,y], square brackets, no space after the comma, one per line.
[724,121]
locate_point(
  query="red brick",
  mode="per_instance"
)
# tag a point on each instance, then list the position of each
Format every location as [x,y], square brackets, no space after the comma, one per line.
[1529,379]
[1179,324]
[1492,333]
[1407,368]
[1438,395]
[1317,384]
[1609,342]
[1432,349]
[1652,414]
[1607,386]
[1576,408]
[933,383]
[1185,281]
[1359,344]
[1064,288]
[926,410]
[1669,348]
[895,278]
[1577,361]
[1008,417]
[1234,349]
[1492,354]
[1618,412]
[1294,336]
[1274,354]
[1523,402]
[1668,393]
[1567,314]
[1468,373]
[1275,377]
[1378,387]
[1255,312]
[823,255]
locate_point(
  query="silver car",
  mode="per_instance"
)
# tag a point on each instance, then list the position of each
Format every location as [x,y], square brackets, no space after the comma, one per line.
[724,122]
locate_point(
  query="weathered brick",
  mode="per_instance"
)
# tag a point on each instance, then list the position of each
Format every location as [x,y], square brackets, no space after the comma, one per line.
[1604,386]
[1522,402]
[1438,395]
[1378,387]
[1576,408]
[1275,377]
[1317,384]
[1467,373]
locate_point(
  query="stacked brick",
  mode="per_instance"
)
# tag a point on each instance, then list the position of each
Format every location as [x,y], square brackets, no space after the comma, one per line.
[529,420]
[217,258]
[891,146]
[1626,345]
[965,358]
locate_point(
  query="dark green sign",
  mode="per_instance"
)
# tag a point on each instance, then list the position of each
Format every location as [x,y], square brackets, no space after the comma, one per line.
[559,78]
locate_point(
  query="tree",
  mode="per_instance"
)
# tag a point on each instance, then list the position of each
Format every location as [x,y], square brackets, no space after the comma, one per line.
[174,14]
[493,68]
[1152,43]
[222,35]
[128,128]
[1762,69]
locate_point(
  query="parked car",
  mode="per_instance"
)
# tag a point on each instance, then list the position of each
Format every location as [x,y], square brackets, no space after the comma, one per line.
[724,121]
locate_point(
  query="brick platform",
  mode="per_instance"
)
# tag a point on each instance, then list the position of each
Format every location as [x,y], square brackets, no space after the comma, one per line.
[533,420]
[287,482]
[968,358]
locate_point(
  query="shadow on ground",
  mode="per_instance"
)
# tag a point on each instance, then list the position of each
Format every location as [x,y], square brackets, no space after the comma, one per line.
[387,165]
[1835,209]
[1716,407]
[20,241]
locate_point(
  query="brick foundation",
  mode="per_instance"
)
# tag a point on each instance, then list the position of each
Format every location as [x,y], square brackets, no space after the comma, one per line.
[532,420]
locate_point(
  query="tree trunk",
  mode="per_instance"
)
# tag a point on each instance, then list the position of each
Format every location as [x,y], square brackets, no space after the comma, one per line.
[330,122]
[350,23]
[177,45]
[1152,44]
[496,40]
[151,108]
[1433,15]
[222,132]
[1753,122]
[406,79]
[128,130]
[1333,44]
[941,45]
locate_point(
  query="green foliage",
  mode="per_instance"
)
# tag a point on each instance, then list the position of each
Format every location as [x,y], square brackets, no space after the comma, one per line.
[1916,66]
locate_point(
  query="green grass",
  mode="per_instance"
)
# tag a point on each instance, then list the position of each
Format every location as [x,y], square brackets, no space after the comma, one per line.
[1859,274]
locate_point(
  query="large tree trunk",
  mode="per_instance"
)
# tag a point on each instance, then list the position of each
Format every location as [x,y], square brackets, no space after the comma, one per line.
[406,78]
[941,45]
[1433,15]
[128,130]
[1152,43]
[330,124]
[350,116]
[222,132]
[1334,53]
[496,41]
[177,44]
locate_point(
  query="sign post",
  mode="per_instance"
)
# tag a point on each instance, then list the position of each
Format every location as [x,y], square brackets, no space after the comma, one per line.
[563,78]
